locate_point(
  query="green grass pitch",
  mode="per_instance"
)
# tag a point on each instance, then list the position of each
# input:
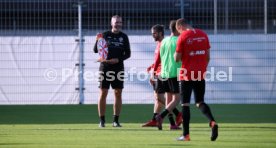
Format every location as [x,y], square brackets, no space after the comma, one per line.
[252,126]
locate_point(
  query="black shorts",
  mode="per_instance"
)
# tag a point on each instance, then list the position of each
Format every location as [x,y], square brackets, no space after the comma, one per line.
[171,85]
[186,88]
[158,85]
[113,78]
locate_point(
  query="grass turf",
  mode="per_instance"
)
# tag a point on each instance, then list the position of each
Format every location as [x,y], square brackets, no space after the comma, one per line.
[76,126]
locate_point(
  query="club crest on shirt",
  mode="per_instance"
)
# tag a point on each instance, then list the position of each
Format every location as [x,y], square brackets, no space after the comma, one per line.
[189,41]
[121,39]
[192,53]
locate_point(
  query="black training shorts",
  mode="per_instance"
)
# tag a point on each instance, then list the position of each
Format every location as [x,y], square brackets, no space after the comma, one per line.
[158,85]
[113,78]
[171,85]
[186,88]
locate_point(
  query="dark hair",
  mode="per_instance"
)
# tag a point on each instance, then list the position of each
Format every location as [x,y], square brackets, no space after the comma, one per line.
[173,26]
[158,28]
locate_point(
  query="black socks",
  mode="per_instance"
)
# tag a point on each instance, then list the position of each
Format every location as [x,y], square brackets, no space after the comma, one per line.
[164,113]
[170,116]
[153,117]
[175,111]
[206,111]
[186,119]
[102,119]
[116,118]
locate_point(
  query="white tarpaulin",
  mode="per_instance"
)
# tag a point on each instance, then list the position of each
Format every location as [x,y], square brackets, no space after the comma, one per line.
[41,70]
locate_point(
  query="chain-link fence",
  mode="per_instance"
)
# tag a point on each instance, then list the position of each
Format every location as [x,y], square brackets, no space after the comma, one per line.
[214,16]
[44,42]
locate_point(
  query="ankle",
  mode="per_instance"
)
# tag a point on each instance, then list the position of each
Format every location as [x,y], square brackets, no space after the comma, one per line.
[212,123]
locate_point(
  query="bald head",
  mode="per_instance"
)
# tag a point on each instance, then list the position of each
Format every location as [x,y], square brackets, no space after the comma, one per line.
[116,23]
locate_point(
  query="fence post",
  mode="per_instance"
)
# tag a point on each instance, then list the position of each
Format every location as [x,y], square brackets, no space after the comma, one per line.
[81,64]
[182,8]
[226,15]
[215,17]
[265,16]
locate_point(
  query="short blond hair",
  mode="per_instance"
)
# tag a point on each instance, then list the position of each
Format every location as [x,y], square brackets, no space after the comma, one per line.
[181,22]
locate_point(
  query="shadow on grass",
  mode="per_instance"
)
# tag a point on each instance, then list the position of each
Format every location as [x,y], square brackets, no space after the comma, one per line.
[16,144]
[181,143]
[139,113]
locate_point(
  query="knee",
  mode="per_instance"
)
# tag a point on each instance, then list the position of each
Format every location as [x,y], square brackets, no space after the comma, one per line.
[118,93]
[103,93]
[159,98]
